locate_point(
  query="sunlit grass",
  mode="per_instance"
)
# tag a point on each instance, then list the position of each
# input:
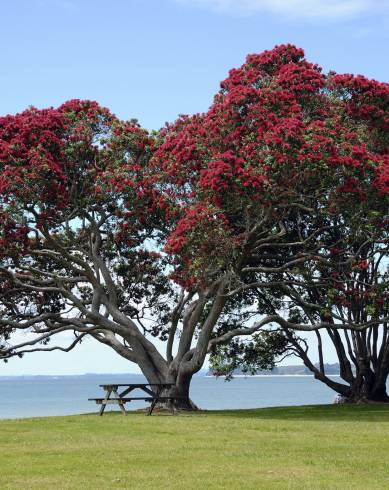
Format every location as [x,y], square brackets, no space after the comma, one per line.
[335,447]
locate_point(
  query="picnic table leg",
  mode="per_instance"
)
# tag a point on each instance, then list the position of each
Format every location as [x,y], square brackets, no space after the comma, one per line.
[170,404]
[153,403]
[121,404]
[104,403]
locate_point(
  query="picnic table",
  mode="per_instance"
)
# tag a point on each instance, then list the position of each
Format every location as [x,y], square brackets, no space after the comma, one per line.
[152,392]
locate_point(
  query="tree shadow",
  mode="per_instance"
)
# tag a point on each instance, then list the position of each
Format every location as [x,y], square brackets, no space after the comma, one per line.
[377,412]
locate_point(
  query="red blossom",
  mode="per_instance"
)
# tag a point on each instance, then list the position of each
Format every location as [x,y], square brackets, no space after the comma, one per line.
[278,128]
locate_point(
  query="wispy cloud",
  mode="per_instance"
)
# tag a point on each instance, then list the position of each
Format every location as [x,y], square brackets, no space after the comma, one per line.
[321,9]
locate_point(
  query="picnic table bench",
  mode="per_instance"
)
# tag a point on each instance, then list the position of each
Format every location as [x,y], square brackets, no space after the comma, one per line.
[152,393]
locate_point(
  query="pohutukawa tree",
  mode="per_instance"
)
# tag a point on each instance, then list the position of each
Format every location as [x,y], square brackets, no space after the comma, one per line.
[282,188]
[192,245]
[82,220]
[76,216]
[346,297]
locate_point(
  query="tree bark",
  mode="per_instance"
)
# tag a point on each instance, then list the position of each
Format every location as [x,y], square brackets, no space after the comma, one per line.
[181,390]
[366,383]
[368,387]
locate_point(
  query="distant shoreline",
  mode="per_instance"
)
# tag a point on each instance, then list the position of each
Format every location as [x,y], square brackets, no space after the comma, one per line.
[94,375]
[268,376]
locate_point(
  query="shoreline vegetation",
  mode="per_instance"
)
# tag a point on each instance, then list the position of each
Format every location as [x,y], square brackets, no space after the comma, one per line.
[301,447]
[290,370]
[269,375]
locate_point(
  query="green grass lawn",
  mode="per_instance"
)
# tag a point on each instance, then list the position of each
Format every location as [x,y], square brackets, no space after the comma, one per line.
[335,447]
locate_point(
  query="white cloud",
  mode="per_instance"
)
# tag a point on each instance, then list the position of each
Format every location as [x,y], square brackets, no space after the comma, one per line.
[329,9]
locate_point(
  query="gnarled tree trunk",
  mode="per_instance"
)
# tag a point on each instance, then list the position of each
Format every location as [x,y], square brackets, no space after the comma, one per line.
[154,367]
[364,370]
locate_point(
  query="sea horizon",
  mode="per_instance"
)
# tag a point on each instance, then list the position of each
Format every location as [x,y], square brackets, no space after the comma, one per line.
[55,395]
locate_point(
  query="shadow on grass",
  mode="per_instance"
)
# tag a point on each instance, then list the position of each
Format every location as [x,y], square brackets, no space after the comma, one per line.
[332,413]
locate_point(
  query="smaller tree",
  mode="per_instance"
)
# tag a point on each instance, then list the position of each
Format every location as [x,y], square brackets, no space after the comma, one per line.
[344,297]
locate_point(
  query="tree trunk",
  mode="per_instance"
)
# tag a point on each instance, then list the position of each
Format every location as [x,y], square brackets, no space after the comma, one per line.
[155,369]
[180,389]
[363,384]
[379,394]
[367,389]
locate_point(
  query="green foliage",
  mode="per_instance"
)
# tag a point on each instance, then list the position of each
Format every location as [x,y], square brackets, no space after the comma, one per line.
[260,352]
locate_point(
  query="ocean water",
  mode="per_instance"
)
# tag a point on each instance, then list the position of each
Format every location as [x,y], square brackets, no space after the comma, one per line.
[66,395]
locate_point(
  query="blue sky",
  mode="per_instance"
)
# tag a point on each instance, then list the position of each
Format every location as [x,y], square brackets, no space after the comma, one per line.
[155,59]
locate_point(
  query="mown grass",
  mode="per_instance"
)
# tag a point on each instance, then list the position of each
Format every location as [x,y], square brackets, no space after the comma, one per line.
[314,447]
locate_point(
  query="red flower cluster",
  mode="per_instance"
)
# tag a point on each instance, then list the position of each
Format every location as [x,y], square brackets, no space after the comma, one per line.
[198,221]
[13,237]
[363,98]
[278,128]
[278,132]
[382,180]
[41,150]
[227,171]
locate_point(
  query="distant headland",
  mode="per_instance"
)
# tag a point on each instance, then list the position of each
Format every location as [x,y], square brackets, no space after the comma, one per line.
[331,369]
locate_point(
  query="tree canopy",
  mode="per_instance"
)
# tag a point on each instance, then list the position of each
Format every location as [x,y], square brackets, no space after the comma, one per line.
[269,209]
